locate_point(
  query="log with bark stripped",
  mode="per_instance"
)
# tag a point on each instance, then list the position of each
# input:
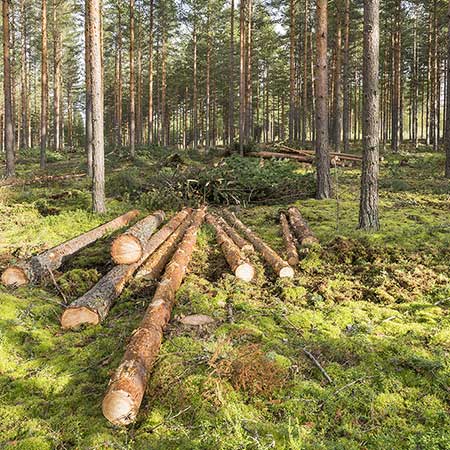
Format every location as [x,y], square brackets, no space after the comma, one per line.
[300,158]
[289,241]
[280,267]
[155,264]
[242,243]
[240,267]
[301,228]
[128,247]
[34,269]
[127,386]
[94,306]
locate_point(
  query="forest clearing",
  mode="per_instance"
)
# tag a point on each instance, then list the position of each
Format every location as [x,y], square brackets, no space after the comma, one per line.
[225,225]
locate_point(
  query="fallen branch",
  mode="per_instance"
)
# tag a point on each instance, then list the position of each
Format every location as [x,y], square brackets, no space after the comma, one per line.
[94,306]
[343,156]
[280,267]
[289,241]
[314,360]
[241,268]
[34,269]
[127,386]
[128,247]
[270,155]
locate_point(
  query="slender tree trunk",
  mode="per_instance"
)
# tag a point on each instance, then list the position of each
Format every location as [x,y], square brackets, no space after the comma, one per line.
[208,81]
[291,69]
[322,151]
[24,77]
[9,120]
[248,74]
[346,79]
[95,58]
[396,86]
[242,79]
[447,118]
[44,86]
[195,88]
[231,79]
[57,88]
[150,74]
[164,120]
[88,142]
[305,74]
[368,210]
[414,96]
[132,118]
[337,113]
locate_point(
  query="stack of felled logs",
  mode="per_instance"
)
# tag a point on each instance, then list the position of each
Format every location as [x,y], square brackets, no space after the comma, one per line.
[296,234]
[307,156]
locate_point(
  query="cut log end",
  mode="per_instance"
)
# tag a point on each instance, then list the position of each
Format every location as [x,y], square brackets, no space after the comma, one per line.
[126,249]
[286,272]
[74,317]
[245,272]
[118,407]
[14,276]
[293,261]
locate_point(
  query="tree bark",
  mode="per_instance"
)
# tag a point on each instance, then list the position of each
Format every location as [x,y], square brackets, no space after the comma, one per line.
[396,77]
[150,74]
[129,246]
[153,267]
[132,118]
[322,157]
[37,267]
[337,103]
[88,63]
[98,144]
[447,119]
[231,79]
[243,244]
[301,229]
[279,266]
[127,386]
[346,79]
[368,209]
[9,120]
[242,77]
[44,86]
[57,80]
[232,253]
[291,69]
[289,241]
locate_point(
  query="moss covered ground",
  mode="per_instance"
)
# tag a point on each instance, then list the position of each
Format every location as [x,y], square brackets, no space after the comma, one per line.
[373,309]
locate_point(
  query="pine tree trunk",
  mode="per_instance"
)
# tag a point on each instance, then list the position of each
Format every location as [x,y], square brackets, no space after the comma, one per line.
[37,267]
[44,86]
[24,77]
[243,244]
[9,119]
[322,156]
[305,74]
[57,81]
[127,386]
[368,210]
[231,79]
[150,74]
[291,69]
[301,229]
[396,78]
[447,118]
[88,63]
[242,78]
[195,88]
[132,117]
[346,79]
[337,102]
[164,121]
[98,145]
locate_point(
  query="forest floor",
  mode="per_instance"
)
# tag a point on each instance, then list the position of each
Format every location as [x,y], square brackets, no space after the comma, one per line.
[372,308]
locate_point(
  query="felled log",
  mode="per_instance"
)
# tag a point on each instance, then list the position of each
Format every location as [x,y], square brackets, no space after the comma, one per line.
[127,386]
[94,306]
[347,156]
[301,228]
[269,155]
[241,268]
[154,266]
[289,241]
[34,269]
[242,243]
[128,247]
[280,267]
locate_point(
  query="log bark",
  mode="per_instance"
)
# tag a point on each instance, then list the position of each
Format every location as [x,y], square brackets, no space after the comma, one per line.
[94,306]
[242,243]
[280,267]
[127,386]
[33,270]
[154,266]
[348,156]
[289,241]
[240,267]
[301,228]
[300,158]
[128,247]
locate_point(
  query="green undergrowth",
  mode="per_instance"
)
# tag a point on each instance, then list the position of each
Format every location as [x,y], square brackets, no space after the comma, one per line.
[372,309]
